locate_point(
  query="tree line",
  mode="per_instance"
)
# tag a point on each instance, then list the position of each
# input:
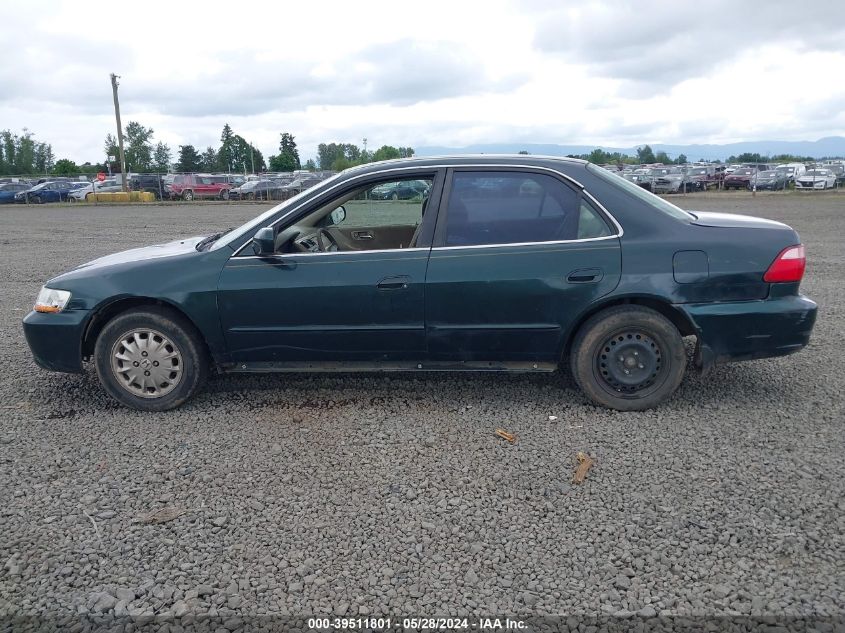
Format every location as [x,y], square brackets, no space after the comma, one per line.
[21,154]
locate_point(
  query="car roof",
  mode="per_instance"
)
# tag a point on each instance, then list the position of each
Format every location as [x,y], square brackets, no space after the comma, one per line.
[527,160]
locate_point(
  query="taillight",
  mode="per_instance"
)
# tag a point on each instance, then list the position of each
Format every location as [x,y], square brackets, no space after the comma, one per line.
[788,265]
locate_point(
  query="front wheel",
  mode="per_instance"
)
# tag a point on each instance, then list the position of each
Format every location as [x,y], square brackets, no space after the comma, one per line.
[224,195]
[628,358]
[188,195]
[150,359]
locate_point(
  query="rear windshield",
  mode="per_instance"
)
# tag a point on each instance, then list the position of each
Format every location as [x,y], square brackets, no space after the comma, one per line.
[635,190]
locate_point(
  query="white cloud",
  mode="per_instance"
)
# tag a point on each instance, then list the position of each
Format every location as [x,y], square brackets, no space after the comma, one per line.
[447,73]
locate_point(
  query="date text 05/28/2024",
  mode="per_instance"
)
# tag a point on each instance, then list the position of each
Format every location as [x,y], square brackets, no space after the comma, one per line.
[415,624]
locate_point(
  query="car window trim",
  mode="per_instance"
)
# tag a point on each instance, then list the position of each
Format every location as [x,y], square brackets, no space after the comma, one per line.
[439,242]
[437,167]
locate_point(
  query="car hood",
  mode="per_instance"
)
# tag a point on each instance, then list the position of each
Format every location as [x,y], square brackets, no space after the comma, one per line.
[731,220]
[170,249]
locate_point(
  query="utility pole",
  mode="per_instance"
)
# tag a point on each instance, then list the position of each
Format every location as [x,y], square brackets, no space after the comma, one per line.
[124,176]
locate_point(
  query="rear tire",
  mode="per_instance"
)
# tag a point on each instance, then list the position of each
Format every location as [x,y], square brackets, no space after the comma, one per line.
[224,195]
[628,358]
[151,359]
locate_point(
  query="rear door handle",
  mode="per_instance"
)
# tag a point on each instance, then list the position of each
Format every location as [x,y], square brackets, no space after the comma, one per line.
[362,235]
[585,276]
[394,283]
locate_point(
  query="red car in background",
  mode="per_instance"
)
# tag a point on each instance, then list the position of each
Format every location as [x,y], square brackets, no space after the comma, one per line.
[740,178]
[190,186]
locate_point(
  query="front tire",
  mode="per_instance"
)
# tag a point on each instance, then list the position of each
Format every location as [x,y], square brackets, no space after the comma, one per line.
[628,358]
[150,359]
[224,195]
[188,195]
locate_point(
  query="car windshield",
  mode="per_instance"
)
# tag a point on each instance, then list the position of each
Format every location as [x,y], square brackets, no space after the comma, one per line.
[746,171]
[698,171]
[250,227]
[635,190]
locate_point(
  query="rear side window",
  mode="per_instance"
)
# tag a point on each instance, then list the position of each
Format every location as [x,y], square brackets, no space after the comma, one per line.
[515,207]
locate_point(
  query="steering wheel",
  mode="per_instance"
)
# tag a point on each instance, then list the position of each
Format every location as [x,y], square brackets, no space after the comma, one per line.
[326,241]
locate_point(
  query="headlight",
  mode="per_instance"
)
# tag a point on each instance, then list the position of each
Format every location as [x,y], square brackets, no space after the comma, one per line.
[50,300]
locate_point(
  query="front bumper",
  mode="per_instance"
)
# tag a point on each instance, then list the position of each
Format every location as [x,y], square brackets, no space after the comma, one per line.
[56,339]
[745,330]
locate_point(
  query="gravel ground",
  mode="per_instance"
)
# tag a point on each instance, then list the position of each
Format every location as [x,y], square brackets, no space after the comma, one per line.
[391,495]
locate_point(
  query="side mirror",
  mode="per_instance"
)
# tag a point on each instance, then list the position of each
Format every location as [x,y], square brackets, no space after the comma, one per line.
[338,215]
[264,242]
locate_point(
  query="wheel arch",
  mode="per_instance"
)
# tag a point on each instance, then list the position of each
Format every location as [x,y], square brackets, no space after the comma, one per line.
[108,311]
[658,304]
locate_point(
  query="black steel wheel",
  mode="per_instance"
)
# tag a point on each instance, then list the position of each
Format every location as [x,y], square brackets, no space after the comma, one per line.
[628,358]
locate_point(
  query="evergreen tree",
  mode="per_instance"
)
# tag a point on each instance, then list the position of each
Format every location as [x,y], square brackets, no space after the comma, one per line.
[162,157]
[288,157]
[138,147]
[226,155]
[208,159]
[189,159]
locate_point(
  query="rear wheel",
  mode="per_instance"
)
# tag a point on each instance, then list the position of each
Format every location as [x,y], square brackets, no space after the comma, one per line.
[150,359]
[628,358]
[224,195]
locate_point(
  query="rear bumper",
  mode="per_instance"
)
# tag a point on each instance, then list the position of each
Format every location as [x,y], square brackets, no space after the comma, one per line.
[56,339]
[745,330]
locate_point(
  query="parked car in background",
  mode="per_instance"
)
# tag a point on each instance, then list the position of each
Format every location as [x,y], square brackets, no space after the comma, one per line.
[702,176]
[265,189]
[838,170]
[640,176]
[605,281]
[9,189]
[792,170]
[772,179]
[190,186]
[401,190]
[51,191]
[671,180]
[816,179]
[300,184]
[152,183]
[80,194]
[740,178]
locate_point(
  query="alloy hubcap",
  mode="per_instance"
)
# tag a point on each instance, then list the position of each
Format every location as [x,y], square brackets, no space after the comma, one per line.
[146,363]
[629,362]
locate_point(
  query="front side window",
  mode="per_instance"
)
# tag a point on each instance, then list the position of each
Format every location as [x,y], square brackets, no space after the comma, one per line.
[378,216]
[486,208]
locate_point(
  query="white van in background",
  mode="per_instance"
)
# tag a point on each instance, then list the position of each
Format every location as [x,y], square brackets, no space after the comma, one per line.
[793,170]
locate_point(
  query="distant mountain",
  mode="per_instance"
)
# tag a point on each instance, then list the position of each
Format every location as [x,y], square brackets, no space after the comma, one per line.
[825,147]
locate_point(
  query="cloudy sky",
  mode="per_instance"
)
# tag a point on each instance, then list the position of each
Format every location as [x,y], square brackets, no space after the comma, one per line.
[448,73]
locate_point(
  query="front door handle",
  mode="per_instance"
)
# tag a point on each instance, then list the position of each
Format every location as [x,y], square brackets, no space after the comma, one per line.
[585,276]
[394,283]
[362,235]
